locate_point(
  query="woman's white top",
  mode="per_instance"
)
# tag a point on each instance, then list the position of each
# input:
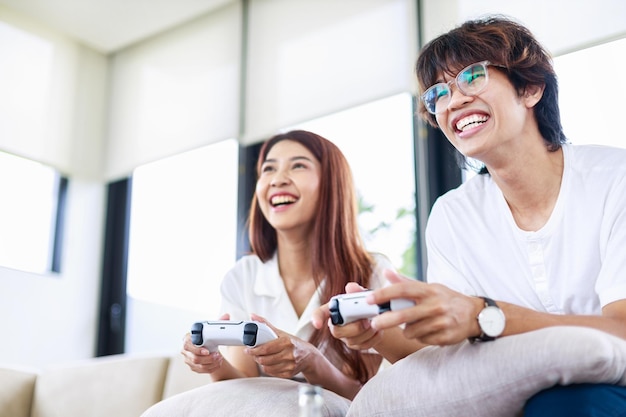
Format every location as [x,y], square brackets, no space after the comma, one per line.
[252,286]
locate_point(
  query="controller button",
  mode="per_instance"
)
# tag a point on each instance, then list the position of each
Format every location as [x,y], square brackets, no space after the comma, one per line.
[335,314]
[196,334]
[249,334]
[384,307]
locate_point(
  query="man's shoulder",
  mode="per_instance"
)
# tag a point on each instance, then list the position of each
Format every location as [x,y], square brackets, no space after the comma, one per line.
[590,156]
[473,190]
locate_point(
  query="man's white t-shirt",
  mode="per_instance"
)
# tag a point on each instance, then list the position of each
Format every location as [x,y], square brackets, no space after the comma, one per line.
[575,264]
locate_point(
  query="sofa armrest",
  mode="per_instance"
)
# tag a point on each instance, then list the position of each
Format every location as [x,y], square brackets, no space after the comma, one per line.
[117,385]
[16,393]
[180,378]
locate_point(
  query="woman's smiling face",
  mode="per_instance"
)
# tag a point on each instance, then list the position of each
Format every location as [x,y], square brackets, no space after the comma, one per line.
[288,186]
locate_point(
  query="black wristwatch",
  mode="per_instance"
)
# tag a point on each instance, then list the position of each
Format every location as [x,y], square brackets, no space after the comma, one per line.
[491,321]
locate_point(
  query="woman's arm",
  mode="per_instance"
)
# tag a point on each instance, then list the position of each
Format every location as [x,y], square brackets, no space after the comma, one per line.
[360,335]
[288,356]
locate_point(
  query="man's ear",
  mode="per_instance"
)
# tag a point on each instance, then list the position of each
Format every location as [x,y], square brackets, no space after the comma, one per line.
[533,94]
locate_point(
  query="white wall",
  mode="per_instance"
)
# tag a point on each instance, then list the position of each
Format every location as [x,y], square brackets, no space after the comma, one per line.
[52,318]
[560,25]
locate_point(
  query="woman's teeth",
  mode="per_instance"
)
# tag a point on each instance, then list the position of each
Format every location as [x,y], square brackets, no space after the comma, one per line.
[282,199]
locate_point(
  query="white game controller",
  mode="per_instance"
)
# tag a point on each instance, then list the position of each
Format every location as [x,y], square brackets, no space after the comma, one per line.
[346,308]
[212,334]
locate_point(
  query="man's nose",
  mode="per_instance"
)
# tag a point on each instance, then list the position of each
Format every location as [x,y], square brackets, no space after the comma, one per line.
[457,98]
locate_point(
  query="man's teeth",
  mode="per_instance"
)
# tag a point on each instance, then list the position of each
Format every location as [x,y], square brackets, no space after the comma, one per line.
[282,199]
[471,121]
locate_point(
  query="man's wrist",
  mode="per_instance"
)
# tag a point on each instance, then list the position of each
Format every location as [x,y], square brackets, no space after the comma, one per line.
[491,321]
[479,304]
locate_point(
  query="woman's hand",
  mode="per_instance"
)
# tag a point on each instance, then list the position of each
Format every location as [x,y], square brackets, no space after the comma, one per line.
[199,359]
[288,356]
[285,356]
[358,335]
[361,335]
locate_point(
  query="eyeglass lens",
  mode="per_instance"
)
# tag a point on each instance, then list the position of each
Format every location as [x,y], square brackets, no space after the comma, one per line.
[470,82]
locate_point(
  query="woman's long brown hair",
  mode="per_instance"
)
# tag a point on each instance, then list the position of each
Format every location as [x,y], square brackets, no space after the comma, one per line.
[338,254]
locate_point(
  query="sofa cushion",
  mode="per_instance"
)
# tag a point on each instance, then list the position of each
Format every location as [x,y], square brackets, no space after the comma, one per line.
[244,397]
[180,378]
[492,379]
[117,385]
[16,391]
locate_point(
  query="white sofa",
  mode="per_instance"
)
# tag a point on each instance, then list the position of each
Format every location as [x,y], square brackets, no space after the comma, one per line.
[128,385]
[491,379]
[482,380]
[117,385]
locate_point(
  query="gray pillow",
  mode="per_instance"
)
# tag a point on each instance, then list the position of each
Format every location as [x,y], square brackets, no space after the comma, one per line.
[492,379]
[245,397]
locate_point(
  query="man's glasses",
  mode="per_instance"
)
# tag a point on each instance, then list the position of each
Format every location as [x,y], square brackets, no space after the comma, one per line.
[470,81]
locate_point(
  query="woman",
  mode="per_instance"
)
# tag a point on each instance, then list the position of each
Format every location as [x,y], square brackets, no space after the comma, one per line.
[305,248]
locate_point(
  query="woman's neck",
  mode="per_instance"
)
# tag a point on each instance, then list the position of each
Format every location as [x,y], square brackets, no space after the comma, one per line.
[296,270]
[294,260]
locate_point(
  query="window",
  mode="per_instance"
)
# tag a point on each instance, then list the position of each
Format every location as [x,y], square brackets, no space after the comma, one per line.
[591,109]
[183,231]
[592,105]
[377,140]
[183,226]
[32,196]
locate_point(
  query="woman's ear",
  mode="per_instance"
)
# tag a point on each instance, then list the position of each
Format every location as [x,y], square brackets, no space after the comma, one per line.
[533,94]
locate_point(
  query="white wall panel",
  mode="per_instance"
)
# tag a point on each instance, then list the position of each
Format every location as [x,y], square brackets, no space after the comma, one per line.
[311,58]
[561,25]
[46,81]
[175,92]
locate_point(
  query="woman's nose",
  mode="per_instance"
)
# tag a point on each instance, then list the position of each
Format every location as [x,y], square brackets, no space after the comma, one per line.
[279,178]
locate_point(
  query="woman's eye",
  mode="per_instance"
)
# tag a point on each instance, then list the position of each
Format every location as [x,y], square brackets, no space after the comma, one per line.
[267,168]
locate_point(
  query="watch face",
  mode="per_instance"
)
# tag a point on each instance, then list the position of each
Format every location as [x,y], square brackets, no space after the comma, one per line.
[491,321]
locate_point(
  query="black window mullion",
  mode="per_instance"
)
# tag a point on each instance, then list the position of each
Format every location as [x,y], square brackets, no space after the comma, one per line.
[112,324]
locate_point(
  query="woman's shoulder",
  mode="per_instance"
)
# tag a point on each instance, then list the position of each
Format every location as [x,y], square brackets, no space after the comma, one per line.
[380,263]
[380,260]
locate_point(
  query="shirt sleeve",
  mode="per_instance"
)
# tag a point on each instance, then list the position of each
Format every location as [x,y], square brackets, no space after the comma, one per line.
[381,263]
[611,283]
[440,250]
